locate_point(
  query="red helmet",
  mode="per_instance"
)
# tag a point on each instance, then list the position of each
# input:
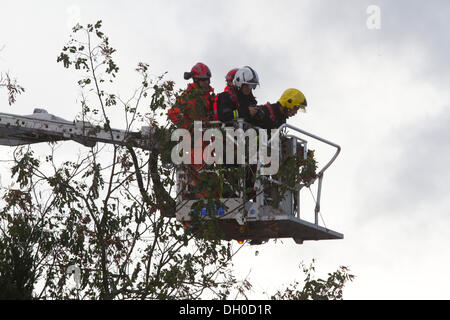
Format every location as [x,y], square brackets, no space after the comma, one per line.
[199,71]
[230,74]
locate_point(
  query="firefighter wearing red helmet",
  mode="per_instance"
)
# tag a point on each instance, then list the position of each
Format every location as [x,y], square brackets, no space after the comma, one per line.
[230,77]
[195,103]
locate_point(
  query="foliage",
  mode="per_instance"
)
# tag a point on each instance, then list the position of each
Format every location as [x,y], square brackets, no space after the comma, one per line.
[12,87]
[308,168]
[294,171]
[101,212]
[106,210]
[317,289]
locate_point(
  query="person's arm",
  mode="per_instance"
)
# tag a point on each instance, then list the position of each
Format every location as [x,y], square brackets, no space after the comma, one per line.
[253,110]
[262,118]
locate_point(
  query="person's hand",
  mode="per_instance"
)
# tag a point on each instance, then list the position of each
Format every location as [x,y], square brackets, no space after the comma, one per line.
[253,110]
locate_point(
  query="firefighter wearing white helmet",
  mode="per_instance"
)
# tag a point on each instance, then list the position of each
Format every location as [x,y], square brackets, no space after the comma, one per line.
[272,116]
[238,101]
[246,75]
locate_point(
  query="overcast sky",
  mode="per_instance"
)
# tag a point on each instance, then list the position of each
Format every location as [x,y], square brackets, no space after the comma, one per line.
[376,76]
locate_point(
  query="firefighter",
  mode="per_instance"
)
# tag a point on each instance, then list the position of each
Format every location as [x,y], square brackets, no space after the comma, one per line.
[272,116]
[237,101]
[195,103]
[230,77]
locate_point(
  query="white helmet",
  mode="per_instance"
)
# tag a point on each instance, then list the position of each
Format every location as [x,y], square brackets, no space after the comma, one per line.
[246,75]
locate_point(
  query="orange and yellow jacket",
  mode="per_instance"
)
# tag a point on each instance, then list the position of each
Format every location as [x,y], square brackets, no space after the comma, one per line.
[192,105]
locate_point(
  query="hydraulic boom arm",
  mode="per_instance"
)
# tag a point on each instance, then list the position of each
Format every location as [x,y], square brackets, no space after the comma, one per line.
[42,127]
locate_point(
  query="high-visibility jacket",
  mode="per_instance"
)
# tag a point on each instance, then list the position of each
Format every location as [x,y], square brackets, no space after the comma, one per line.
[232,104]
[226,110]
[192,105]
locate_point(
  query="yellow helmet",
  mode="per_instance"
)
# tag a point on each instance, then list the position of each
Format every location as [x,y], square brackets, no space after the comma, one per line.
[291,98]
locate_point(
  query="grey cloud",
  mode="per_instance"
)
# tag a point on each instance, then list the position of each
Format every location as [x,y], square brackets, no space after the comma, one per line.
[423,166]
[411,24]
[410,175]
